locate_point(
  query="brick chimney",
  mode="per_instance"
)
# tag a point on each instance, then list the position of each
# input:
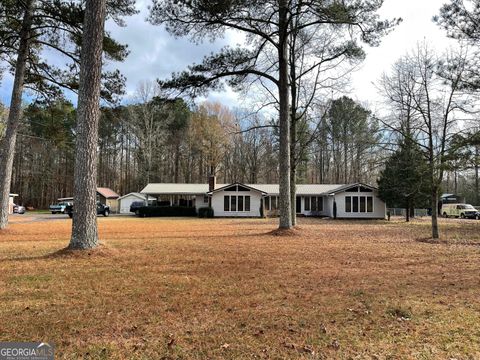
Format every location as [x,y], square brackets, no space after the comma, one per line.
[212,182]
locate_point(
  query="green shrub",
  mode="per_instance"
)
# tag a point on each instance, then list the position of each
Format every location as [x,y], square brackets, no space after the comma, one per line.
[205,212]
[173,211]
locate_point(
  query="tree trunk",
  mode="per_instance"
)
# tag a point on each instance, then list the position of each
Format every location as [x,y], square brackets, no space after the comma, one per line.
[7,145]
[434,204]
[407,211]
[293,193]
[455,180]
[177,161]
[284,121]
[84,232]
[477,189]
[293,139]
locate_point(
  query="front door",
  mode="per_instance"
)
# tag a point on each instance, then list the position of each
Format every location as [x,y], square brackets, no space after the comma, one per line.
[299,205]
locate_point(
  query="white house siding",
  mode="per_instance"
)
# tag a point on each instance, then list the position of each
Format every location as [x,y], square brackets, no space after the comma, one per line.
[218,201]
[200,201]
[379,208]
[328,206]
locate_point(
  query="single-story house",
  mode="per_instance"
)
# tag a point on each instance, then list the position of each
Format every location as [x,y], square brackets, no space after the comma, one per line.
[252,200]
[11,198]
[126,200]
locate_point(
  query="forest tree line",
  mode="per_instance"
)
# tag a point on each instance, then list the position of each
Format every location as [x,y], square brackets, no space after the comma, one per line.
[162,140]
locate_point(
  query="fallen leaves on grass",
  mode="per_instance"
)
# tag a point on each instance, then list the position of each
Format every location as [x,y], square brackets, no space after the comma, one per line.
[231,289]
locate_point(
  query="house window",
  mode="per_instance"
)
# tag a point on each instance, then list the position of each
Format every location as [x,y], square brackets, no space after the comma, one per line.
[274,202]
[314,203]
[242,188]
[307,203]
[270,202]
[359,204]
[355,203]
[348,204]
[236,203]
[247,203]
[205,199]
[266,201]
[364,189]
[240,203]
[369,204]
[352,189]
[363,205]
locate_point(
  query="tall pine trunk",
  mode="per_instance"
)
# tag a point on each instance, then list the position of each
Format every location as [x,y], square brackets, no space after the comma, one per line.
[293,191]
[477,188]
[407,211]
[434,204]
[7,145]
[85,232]
[293,137]
[284,121]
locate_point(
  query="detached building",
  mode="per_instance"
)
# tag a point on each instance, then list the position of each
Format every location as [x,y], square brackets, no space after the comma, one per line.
[105,195]
[108,197]
[126,201]
[254,200]
[11,198]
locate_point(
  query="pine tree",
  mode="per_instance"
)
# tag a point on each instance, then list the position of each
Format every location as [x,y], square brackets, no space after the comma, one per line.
[27,29]
[404,182]
[268,26]
[84,231]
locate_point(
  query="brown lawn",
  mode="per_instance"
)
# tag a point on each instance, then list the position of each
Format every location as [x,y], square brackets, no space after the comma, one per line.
[227,289]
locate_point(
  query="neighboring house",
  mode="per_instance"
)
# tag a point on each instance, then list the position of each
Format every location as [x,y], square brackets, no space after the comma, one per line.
[105,195]
[11,202]
[126,200]
[108,197]
[251,200]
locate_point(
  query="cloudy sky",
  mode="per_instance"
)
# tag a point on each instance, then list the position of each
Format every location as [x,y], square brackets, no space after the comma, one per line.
[155,54]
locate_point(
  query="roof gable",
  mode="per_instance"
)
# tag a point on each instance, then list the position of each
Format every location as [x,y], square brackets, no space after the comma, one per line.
[107,193]
[250,187]
[349,186]
[137,195]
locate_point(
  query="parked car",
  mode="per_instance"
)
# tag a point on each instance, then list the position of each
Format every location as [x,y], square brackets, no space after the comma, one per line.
[135,206]
[18,209]
[101,209]
[464,211]
[59,208]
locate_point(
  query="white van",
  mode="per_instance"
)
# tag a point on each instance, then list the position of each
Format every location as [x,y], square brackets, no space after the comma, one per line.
[460,210]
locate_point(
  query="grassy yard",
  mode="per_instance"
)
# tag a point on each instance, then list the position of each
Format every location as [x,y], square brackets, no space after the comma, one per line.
[228,289]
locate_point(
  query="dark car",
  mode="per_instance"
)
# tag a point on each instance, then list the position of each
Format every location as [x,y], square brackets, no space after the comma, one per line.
[101,209]
[135,206]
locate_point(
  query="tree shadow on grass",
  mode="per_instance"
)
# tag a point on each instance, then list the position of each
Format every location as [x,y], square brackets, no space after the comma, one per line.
[447,242]
[102,251]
